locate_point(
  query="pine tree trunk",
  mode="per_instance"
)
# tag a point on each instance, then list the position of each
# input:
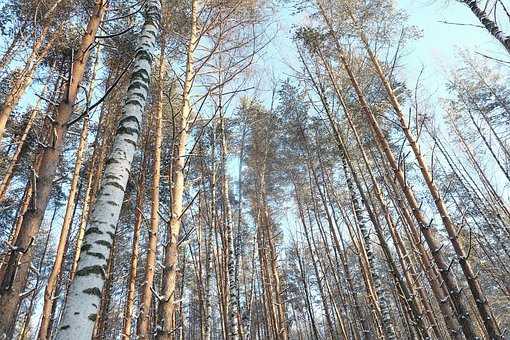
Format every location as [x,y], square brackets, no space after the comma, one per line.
[429,234]
[386,319]
[84,296]
[11,289]
[135,249]
[166,310]
[44,328]
[401,251]
[18,39]
[490,323]
[6,181]
[30,310]
[23,81]
[144,331]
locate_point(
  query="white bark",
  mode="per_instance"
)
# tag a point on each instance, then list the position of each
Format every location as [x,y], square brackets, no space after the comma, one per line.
[85,290]
[489,24]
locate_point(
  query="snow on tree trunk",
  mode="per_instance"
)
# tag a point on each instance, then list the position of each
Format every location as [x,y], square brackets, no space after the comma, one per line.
[85,291]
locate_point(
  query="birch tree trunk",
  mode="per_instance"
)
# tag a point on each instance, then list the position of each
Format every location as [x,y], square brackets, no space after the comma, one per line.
[232,284]
[84,297]
[166,311]
[489,24]
[135,250]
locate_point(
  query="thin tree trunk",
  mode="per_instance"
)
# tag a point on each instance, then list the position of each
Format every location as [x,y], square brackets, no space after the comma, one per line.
[427,231]
[18,39]
[135,249]
[490,323]
[166,309]
[23,81]
[228,223]
[26,324]
[144,330]
[6,181]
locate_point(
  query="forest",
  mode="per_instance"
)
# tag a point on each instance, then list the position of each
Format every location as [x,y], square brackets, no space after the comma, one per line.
[254,169]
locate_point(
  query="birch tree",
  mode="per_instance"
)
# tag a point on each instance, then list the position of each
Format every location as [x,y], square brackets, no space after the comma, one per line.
[80,311]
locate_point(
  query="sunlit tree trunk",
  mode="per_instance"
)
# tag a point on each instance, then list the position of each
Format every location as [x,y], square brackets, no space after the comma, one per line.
[32,304]
[49,298]
[19,38]
[16,276]
[144,330]
[26,76]
[428,232]
[490,323]
[166,309]
[6,180]
[135,248]
[232,284]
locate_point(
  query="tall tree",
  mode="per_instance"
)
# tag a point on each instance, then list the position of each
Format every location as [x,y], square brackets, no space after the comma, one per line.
[81,307]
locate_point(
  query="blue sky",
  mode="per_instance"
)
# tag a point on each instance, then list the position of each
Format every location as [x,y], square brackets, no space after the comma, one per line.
[439,46]
[437,50]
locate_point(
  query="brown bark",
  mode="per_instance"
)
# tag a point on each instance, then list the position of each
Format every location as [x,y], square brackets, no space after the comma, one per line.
[144,330]
[6,181]
[127,319]
[166,311]
[427,231]
[490,323]
[44,328]
[19,262]
[26,76]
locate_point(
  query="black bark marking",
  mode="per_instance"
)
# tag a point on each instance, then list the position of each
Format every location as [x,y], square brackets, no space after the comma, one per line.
[116,185]
[131,119]
[97,269]
[96,254]
[85,247]
[104,243]
[93,291]
[132,142]
[111,160]
[93,230]
[127,131]
[115,204]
